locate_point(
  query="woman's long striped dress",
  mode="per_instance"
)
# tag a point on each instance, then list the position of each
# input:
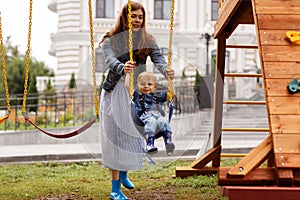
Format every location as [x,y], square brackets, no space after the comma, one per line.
[122,144]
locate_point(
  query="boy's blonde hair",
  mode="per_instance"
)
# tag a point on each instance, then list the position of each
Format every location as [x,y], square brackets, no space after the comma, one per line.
[146,74]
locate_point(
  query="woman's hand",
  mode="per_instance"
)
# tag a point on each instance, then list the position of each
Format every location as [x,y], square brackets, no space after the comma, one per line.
[128,67]
[170,73]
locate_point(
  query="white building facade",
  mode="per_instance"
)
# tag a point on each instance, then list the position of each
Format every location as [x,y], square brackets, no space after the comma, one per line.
[194,19]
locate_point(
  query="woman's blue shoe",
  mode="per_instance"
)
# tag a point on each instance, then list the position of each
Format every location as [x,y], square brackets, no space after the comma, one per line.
[116,193]
[125,181]
[114,196]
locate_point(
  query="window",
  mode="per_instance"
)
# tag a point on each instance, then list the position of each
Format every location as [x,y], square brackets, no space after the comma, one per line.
[105,9]
[214,10]
[162,9]
[100,62]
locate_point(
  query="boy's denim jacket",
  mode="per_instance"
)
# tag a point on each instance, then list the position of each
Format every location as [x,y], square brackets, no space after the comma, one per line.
[116,63]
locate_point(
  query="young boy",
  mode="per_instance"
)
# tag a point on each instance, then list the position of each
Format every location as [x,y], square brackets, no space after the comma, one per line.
[148,106]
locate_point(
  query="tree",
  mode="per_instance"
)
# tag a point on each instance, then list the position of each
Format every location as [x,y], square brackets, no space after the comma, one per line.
[72,83]
[49,87]
[197,88]
[15,68]
[183,76]
[49,93]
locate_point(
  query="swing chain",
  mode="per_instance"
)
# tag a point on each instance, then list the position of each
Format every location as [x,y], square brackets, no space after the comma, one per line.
[170,92]
[27,60]
[4,69]
[131,87]
[96,103]
[171,34]
[130,30]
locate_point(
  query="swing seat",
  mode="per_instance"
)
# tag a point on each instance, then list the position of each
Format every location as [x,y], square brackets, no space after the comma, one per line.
[140,125]
[65,135]
[2,119]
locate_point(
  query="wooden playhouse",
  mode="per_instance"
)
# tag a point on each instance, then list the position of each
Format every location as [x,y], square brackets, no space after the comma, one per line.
[280,61]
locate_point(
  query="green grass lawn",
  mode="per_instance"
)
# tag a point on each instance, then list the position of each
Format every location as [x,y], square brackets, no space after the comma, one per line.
[89,180]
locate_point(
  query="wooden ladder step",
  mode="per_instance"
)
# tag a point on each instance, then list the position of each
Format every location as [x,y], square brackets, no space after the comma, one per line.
[242,75]
[241,46]
[247,129]
[245,102]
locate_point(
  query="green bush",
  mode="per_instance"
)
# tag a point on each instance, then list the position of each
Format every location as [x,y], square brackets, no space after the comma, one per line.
[66,117]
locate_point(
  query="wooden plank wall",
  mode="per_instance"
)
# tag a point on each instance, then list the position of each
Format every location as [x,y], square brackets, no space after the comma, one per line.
[281,64]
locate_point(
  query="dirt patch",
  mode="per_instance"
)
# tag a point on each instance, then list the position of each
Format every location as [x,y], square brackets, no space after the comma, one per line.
[162,194]
[63,197]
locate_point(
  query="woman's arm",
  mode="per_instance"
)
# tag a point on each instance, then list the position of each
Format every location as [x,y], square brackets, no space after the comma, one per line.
[158,59]
[160,62]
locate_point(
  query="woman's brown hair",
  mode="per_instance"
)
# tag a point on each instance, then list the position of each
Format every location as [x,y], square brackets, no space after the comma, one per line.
[143,47]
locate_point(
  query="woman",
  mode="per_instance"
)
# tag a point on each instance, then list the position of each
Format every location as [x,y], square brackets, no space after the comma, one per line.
[122,145]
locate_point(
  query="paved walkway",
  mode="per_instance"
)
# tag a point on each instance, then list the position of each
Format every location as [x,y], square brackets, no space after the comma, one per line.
[191,136]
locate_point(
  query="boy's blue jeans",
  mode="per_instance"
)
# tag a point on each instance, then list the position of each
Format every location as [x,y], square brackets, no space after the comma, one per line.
[155,122]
